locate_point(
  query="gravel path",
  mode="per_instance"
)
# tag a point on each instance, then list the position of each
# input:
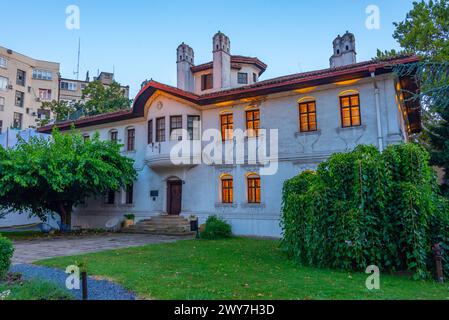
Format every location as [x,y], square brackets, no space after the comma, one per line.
[98,289]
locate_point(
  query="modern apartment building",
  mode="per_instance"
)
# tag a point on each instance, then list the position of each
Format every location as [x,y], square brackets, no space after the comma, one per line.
[24,83]
[72,90]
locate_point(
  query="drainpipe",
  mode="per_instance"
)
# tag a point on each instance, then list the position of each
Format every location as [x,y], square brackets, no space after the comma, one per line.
[379,121]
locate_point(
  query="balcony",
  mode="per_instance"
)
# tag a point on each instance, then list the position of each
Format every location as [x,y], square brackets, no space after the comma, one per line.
[169,154]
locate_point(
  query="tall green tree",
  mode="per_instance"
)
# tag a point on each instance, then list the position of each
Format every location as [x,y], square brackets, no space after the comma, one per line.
[61,110]
[425,31]
[54,175]
[104,98]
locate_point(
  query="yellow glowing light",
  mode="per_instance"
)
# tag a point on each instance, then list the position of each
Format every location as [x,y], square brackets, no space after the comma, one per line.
[306,90]
[347,82]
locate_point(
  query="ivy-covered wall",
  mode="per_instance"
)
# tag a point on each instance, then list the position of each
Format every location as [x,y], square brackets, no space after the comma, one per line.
[365,207]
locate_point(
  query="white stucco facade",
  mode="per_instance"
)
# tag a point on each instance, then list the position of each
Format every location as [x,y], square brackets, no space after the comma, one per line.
[383,122]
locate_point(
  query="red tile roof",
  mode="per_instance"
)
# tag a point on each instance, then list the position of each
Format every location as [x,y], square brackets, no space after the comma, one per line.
[280,84]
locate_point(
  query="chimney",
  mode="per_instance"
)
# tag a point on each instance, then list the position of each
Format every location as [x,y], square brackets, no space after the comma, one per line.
[222,61]
[344,51]
[185,60]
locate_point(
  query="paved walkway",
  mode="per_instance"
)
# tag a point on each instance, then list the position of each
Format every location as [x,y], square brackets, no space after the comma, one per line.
[28,251]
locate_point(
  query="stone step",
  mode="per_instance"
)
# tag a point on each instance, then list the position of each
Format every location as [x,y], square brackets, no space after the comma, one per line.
[162,225]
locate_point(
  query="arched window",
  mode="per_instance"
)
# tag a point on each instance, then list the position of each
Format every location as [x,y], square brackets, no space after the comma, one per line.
[227,126]
[253,186]
[307,115]
[350,109]
[253,122]
[227,189]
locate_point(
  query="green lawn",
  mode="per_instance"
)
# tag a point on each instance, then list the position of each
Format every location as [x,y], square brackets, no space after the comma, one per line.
[23,235]
[236,269]
[32,290]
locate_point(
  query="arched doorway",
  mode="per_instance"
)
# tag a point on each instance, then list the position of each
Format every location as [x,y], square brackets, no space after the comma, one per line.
[174,197]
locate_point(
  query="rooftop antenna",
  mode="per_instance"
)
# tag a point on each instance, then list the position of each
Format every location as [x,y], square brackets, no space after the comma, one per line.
[78,65]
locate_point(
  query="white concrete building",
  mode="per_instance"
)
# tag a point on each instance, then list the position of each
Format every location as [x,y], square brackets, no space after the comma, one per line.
[315,113]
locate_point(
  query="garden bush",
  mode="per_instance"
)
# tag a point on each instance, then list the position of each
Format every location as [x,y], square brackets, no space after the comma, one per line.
[365,207]
[6,251]
[215,229]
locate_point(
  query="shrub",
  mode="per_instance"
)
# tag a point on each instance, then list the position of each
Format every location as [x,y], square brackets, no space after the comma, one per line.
[365,207]
[6,251]
[130,216]
[216,228]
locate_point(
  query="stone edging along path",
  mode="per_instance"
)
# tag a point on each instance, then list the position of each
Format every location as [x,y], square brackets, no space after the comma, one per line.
[97,289]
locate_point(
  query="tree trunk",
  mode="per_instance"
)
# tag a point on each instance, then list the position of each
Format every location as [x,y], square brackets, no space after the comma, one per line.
[66,215]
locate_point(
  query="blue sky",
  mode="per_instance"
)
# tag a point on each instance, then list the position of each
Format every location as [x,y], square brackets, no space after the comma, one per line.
[140,38]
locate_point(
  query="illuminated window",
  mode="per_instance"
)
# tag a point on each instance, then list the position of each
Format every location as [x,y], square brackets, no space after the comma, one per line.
[227,189]
[227,126]
[307,116]
[350,111]
[131,141]
[253,188]
[253,122]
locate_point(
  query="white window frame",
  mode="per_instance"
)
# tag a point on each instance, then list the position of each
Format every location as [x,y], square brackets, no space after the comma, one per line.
[71,86]
[46,96]
[5,81]
[42,75]
[3,62]
[2,104]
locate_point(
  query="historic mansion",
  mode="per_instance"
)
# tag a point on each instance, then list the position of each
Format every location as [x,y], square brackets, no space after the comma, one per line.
[315,113]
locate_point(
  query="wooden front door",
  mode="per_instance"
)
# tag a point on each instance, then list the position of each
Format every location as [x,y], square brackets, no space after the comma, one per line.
[174,197]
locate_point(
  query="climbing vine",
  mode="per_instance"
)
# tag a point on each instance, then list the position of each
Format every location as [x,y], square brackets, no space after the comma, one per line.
[365,207]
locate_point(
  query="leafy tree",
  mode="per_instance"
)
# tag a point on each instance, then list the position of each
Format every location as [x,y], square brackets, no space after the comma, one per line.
[104,99]
[425,31]
[60,109]
[54,175]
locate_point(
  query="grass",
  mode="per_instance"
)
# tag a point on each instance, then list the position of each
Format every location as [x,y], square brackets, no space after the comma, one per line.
[32,290]
[236,269]
[23,235]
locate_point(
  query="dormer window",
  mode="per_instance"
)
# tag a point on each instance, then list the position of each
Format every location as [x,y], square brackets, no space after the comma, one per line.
[207,81]
[242,78]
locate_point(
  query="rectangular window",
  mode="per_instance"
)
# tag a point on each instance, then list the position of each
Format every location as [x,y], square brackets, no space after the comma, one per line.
[242,78]
[350,111]
[307,116]
[227,190]
[254,77]
[227,126]
[150,131]
[207,81]
[2,104]
[69,86]
[193,127]
[3,83]
[42,75]
[21,75]
[3,62]
[19,100]
[43,114]
[253,122]
[160,129]
[175,127]
[17,121]
[254,190]
[1,126]
[45,94]
[110,197]
[131,139]
[129,194]
[114,136]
